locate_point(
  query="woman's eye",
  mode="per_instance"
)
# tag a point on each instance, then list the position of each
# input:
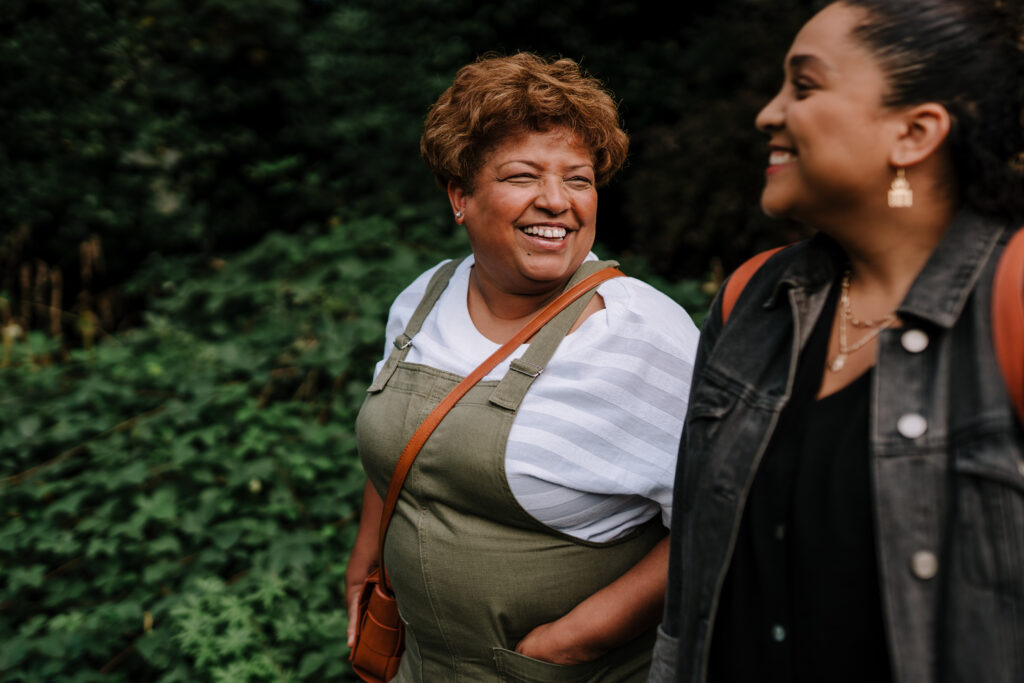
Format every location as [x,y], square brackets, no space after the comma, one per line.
[803,87]
[579,183]
[520,178]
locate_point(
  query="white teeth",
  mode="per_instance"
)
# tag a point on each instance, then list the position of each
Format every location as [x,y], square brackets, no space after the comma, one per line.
[544,231]
[778,157]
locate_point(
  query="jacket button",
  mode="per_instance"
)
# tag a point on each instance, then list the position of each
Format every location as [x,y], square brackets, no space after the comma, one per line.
[924,564]
[912,425]
[914,341]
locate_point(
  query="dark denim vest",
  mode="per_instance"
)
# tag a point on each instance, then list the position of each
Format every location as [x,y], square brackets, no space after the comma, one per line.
[947,461]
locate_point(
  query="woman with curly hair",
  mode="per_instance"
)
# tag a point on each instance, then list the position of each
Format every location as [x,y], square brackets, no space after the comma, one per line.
[529,539]
[849,502]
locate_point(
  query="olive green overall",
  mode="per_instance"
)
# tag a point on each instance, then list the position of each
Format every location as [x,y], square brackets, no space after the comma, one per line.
[472,571]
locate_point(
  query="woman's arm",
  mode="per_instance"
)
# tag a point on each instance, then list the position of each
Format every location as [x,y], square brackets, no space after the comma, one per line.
[612,616]
[364,554]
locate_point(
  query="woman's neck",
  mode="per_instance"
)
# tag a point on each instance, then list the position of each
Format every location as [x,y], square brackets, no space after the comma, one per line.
[887,249]
[498,314]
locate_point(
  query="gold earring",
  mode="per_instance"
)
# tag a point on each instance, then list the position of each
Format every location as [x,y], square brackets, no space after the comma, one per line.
[900,194]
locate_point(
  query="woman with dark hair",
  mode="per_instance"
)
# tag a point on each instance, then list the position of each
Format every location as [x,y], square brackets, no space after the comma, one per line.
[529,540]
[849,500]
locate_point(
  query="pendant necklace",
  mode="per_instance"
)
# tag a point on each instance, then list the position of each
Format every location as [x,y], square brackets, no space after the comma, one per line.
[846,317]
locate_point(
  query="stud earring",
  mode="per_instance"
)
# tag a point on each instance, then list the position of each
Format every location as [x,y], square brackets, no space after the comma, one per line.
[900,194]
[458,215]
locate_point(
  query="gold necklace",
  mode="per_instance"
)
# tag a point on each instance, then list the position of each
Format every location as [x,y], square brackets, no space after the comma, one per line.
[846,316]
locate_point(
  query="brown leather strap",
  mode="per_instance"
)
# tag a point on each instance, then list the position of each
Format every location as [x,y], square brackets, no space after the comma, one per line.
[739,279]
[1008,318]
[425,429]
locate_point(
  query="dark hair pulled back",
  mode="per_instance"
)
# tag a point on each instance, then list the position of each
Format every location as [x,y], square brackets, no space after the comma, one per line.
[967,55]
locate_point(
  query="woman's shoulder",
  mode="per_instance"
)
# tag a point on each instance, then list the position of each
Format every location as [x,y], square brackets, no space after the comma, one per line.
[404,305]
[414,291]
[635,308]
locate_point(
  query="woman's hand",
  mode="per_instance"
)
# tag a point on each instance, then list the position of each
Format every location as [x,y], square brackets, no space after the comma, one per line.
[609,618]
[364,556]
[352,598]
[553,643]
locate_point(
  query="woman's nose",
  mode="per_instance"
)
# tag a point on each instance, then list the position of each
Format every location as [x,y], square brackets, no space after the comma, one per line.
[771,116]
[552,196]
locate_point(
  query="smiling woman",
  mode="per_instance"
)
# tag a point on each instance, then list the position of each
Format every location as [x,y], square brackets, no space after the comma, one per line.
[529,541]
[851,466]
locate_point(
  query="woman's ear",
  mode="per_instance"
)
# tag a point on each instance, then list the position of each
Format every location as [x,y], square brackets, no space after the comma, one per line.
[457,198]
[924,129]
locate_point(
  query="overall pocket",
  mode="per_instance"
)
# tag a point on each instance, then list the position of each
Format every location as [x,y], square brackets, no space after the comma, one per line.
[516,668]
[627,664]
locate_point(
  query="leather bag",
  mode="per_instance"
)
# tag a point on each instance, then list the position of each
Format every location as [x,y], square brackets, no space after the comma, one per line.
[379,634]
[380,637]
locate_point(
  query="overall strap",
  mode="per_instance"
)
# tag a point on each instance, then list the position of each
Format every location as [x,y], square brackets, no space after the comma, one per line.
[402,342]
[1008,319]
[524,370]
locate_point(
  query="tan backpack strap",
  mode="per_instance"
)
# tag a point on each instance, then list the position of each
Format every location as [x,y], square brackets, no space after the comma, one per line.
[739,279]
[1008,319]
[425,429]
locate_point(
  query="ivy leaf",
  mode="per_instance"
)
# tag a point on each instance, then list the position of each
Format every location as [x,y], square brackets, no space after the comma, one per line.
[12,652]
[311,663]
[68,503]
[161,506]
[29,425]
[25,577]
[154,647]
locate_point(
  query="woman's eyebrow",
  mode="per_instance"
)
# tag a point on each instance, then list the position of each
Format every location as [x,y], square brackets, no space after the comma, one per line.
[534,164]
[798,61]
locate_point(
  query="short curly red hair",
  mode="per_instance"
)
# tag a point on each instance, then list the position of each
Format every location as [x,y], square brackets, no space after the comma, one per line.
[500,96]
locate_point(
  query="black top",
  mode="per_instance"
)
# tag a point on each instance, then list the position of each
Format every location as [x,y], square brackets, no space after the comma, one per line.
[801,600]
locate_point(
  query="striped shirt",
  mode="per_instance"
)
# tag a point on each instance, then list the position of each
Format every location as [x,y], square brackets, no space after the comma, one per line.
[593,447]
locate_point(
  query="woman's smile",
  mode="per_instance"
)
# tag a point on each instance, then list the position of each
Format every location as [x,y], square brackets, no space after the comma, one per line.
[778,158]
[546,231]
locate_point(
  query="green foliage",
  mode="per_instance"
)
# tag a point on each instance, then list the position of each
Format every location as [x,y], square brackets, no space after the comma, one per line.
[199,127]
[178,503]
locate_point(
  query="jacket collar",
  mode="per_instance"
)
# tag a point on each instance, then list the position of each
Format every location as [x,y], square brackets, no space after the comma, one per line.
[939,292]
[815,265]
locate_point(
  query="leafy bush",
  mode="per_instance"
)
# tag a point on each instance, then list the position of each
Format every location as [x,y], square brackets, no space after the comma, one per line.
[178,502]
[198,127]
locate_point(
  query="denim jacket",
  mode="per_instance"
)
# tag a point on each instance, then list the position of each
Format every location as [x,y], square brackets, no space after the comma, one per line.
[947,461]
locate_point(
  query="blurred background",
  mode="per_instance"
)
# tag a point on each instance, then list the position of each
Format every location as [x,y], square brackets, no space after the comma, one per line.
[208,206]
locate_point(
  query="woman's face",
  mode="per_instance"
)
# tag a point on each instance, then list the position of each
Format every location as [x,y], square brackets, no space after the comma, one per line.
[532,213]
[830,135]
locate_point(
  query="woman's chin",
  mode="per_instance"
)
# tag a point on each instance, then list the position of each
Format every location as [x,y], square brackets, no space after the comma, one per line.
[550,268]
[772,207]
